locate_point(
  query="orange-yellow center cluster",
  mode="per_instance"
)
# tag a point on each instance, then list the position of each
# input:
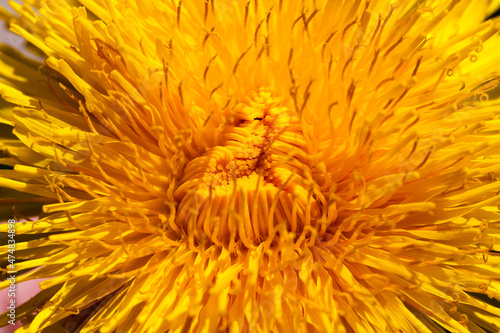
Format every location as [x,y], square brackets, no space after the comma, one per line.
[255,180]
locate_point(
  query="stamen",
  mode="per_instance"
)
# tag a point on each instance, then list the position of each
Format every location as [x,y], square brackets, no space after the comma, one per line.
[251,167]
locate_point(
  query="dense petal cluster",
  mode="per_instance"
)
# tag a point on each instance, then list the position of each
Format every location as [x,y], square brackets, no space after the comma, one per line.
[260,165]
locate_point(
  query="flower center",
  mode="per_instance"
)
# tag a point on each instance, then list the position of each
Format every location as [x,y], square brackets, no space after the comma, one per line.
[258,180]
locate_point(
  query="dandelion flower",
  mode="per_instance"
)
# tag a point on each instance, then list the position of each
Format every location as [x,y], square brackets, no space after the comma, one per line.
[261,165]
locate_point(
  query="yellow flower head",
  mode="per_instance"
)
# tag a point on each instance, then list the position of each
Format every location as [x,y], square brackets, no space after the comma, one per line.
[254,166]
